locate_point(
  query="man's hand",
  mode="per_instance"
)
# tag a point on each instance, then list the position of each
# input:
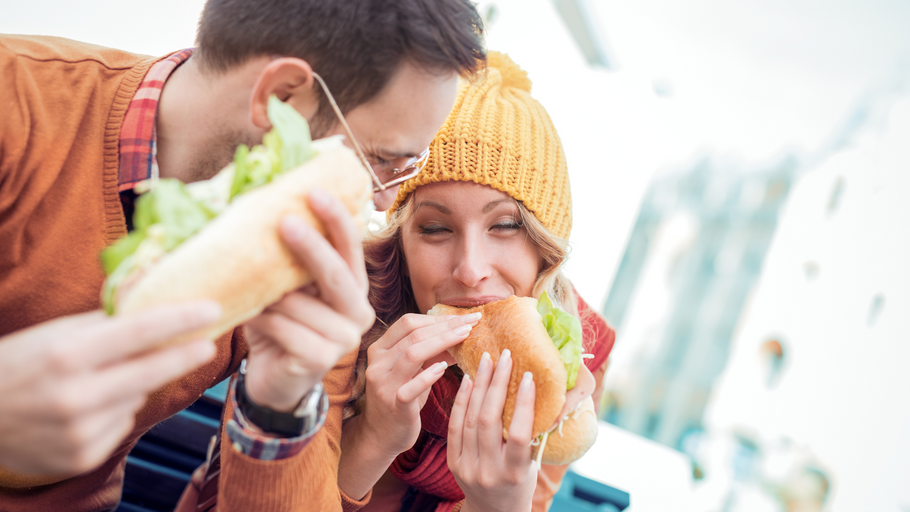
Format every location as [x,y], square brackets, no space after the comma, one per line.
[297,340]
[70,387]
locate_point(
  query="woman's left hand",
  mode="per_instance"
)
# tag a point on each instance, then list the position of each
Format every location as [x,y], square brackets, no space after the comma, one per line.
[495,475]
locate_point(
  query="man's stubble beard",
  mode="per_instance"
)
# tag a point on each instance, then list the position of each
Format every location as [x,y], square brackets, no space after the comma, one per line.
[223,143]
[218,153]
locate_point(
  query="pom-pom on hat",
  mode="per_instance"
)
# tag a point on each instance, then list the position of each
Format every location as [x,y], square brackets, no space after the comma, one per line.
[498,135]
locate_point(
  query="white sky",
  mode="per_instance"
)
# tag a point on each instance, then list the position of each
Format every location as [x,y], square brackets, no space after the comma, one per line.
[747,80]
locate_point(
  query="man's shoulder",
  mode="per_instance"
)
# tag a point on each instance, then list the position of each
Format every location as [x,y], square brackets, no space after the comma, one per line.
[52,49]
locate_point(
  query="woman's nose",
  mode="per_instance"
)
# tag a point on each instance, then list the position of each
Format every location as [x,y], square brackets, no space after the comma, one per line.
[474,265]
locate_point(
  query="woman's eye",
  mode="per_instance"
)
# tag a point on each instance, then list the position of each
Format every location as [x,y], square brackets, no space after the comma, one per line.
[507,226]
[433,229]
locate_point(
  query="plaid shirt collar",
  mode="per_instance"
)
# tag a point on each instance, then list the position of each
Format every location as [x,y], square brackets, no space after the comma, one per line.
[138,136]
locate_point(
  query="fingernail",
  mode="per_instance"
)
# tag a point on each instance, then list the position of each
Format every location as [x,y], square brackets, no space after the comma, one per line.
[465,381]
[440,367]
[319,198]
[506,355]
[473,317]
[462,329]
[292,227]
[484,362]
[526,381]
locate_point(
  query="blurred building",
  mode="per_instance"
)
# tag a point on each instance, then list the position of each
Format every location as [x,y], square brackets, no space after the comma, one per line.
[819,365]
[690,265]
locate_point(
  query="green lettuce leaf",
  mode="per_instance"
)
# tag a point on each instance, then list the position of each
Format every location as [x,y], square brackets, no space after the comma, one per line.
[284,148]
[113,255]
[290,135]
[169,206]
[172,207]
[241,170]
[565,331]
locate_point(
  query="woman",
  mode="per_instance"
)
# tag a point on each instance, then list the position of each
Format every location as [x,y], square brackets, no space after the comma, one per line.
[487,218]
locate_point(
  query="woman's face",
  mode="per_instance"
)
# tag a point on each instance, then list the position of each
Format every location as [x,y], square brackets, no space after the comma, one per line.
[465,246]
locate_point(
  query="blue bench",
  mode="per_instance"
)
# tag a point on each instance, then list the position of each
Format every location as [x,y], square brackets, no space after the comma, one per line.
[160,465]
[580,494]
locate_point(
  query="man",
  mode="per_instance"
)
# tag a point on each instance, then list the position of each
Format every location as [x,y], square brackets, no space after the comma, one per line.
[81,125]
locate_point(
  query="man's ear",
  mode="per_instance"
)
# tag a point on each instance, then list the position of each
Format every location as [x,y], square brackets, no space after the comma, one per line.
[291,80]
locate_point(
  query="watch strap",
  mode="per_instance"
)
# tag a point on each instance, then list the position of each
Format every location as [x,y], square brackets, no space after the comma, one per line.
[307,417]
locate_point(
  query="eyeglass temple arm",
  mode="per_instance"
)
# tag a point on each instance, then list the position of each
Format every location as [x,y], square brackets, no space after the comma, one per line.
[347,130]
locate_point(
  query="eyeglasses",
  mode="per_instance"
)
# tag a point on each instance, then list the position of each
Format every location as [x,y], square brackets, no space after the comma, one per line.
[412,167]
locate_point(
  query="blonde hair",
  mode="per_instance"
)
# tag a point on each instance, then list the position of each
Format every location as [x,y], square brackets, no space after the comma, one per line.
[390,287]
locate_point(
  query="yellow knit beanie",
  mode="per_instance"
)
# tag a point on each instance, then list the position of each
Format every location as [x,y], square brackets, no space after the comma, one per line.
[498,135]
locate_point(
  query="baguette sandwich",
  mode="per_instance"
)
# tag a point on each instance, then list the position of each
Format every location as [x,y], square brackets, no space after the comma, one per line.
[545,341]
[218,239]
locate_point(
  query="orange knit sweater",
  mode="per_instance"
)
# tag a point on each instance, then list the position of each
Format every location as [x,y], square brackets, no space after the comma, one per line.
[61,108]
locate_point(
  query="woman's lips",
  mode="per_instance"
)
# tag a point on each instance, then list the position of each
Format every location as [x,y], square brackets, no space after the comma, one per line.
[470,302]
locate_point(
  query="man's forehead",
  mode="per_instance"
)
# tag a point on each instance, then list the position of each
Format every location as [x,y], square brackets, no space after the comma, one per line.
[382,141]
[390,146]
[403,119]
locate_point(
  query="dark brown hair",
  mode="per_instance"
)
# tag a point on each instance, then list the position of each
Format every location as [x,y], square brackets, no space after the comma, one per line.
[355,45]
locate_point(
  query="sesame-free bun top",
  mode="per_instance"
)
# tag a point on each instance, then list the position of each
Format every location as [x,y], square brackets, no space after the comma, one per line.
[515,324]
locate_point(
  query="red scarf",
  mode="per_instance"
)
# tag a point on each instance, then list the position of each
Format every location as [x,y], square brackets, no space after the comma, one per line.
[424,466]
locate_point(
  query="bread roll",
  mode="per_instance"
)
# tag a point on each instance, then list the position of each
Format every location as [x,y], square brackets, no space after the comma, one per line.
[515,324]
[238,258]
[576,436]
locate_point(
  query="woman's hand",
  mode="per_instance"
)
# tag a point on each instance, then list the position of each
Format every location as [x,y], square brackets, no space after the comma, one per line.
[402,366]
[401,370]
[495,475]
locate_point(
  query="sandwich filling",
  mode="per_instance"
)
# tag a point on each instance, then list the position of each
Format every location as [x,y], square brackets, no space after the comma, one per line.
[565,331]
[172,211]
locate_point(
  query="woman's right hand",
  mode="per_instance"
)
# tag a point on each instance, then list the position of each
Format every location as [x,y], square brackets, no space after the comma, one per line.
[495,475]
[402,366]
[400,372]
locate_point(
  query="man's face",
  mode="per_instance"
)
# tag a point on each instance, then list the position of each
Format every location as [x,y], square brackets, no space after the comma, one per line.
[401,121]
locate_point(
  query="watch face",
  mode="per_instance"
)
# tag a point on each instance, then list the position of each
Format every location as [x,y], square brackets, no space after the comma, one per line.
[310,405]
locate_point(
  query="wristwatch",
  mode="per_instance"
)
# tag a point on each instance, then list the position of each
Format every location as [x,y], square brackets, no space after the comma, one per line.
[305,419]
